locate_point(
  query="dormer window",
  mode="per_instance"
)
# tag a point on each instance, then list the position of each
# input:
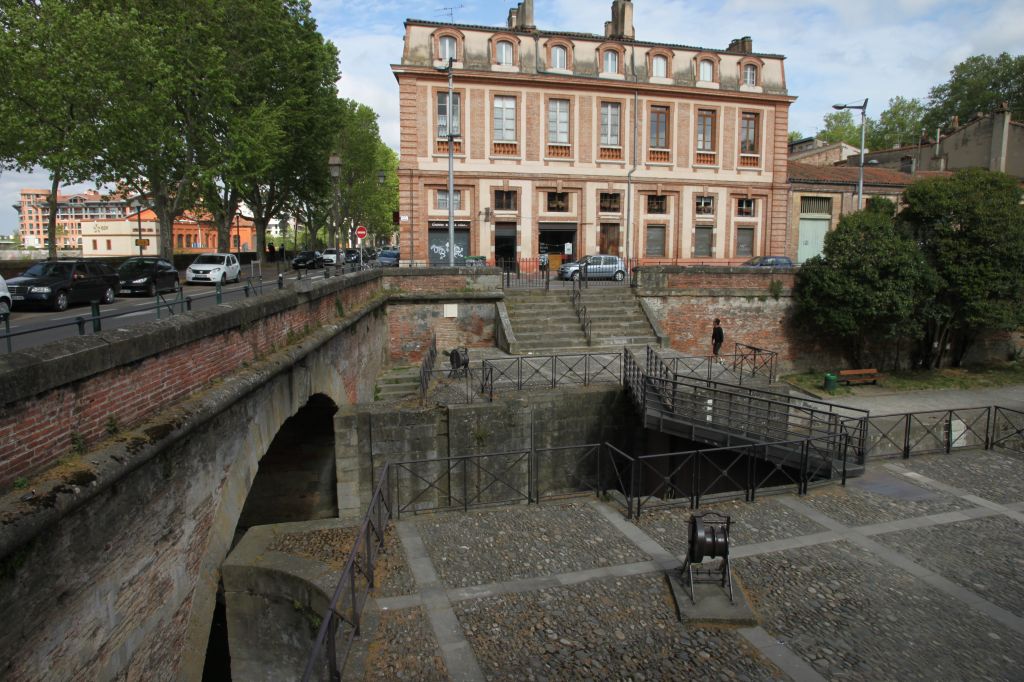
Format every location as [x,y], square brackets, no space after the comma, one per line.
[559,57]
[504,53]
[659,66]
[448,48]
[707,70]
[611,61]
[750,75]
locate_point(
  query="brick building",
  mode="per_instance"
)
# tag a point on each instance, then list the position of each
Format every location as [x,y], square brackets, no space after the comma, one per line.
[72,210]
[192,234]
[590,143]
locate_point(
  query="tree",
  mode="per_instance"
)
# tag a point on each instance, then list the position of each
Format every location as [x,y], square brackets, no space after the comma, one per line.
[970,229]
[977,84]
[839,126]
[795,136]
[58,61]
[363,198]
[864,289]
[899,124]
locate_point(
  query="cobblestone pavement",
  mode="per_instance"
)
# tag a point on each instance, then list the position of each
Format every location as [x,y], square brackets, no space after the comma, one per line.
[404,648]
[894,577]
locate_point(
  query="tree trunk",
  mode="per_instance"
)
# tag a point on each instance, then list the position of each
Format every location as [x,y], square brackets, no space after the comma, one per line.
[51,223]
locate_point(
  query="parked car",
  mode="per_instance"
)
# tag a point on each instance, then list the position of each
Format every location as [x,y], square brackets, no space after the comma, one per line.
[148,274]
[769,262]
[598,267]
[308,260]
[388,258]
[330,256]
[352,256]
[5,297]
[210,268]
[58,283]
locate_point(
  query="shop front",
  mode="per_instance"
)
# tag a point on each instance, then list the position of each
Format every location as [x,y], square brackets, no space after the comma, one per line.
[438,244]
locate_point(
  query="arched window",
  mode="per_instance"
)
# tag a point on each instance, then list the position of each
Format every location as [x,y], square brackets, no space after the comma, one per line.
[750,74]
[559,57]
[449,48]
[659,66]
[707,70]
[611,61]
[181,240]
[504,53]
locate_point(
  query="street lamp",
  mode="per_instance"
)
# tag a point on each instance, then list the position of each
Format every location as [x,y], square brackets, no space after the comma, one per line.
[334,163]
[445,131]
[863,119]
[137,204]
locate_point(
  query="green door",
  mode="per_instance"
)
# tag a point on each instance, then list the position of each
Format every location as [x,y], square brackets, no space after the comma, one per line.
[812,237]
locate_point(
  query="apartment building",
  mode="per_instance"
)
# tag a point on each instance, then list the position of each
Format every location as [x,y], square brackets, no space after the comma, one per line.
[72,210]
[581,143]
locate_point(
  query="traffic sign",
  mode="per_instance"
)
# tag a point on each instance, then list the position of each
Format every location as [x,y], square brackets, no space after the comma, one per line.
[361,232]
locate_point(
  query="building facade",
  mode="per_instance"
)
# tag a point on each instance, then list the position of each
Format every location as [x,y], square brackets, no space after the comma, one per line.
[72,210]
[820,153]
[575,144]
[191,235]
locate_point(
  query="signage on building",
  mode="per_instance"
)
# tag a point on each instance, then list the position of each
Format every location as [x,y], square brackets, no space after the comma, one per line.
[142,242]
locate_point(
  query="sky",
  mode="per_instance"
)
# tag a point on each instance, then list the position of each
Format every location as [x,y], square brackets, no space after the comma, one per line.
[837,51]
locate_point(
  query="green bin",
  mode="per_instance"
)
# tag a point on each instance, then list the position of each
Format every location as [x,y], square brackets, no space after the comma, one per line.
[831,382]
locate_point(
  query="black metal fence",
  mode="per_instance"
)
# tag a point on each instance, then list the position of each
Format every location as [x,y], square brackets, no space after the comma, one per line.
[551,371]
[427,364]
[918,433]
[745,365]
[342,618]
[535,273]
[1007,431]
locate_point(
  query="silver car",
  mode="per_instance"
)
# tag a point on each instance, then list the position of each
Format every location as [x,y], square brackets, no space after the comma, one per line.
[5,298]
[598,267]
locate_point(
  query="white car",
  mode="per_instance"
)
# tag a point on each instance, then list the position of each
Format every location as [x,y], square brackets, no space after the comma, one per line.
[211,268]
[330,257]
[5,298]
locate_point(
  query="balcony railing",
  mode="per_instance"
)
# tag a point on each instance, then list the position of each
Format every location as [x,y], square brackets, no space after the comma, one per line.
[506,149]
[750,160]
[610,154]
[706,159]
[559,151]
[442,146]
[659,156]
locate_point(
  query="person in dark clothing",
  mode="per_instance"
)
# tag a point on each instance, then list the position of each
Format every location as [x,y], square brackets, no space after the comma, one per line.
[717,337]
[270,251]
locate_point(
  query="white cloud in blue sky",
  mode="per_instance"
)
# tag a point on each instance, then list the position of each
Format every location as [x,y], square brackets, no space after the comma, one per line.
[836,50]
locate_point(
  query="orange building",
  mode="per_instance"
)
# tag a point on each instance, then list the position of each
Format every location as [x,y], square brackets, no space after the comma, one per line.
[72,210]
[192,234]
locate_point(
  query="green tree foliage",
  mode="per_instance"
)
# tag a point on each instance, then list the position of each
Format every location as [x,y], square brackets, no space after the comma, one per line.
[795,136]
[863,290]
[970,229]
[977,84]
[840,126]
[899,124]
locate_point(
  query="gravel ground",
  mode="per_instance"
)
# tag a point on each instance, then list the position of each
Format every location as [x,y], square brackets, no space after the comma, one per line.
[854,506]
[995,476]
[984,555]
[852,616]
[482,547]
[613,629]
[403,647]
[763,520]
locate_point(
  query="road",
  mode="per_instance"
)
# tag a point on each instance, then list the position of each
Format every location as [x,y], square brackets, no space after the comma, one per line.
[30,328]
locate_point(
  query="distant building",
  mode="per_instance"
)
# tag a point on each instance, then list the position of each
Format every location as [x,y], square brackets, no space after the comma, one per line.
[191,235]
[72,210]
[817,152]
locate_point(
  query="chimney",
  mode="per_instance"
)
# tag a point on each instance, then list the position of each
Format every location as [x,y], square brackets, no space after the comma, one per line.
[513,19]
[522,16]
[621,25]
[744,45]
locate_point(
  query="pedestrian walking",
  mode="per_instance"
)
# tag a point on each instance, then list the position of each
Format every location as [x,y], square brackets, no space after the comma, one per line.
[717,338]
[270,252]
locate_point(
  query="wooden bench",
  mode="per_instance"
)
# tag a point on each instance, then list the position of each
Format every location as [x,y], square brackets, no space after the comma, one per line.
[859,376]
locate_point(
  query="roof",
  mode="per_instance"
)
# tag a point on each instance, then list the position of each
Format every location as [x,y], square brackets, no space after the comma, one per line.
[584,36]
[847,175]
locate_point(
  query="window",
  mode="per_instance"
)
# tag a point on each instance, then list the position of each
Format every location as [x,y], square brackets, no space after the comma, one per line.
[558,121]
[659,66]
[705,130]
[703,241]
[95,248]
[558,202]
[655,241]
[442,199]
[611,202]
[504,119]
[505,200]
[816,205]
[744,242]
[707,70]
[659,127]
[442,113]
[611,61]
[748,133]
[657,203]
[108,245]
[449,48]
[559,57]
[610,124]
[504,53]
[745,208]
[705,205]
[750,74]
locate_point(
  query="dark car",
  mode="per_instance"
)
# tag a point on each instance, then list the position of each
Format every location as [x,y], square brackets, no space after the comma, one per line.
[388,258]
[148,274]
[769,262]
[59,283]
[352,256]
[308,260]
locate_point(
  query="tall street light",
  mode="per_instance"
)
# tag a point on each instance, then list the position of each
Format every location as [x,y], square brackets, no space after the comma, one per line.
[445,130]
[334,163]
[863,119]
[137,204]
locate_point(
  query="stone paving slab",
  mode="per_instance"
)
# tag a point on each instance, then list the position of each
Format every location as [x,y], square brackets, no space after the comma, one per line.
[764,521]
[855,505]
[853,616]
[995,476]
[500,545]
[984,555]
[611,629]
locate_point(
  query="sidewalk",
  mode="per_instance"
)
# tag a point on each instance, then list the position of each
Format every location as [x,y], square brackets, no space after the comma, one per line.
[878,400]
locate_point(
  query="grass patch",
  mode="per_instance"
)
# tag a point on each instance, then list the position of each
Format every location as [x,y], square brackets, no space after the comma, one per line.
[952,378]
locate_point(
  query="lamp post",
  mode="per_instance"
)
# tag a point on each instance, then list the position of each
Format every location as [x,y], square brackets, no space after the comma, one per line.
[445,131]
[334,163]
[863,120]
[137,204]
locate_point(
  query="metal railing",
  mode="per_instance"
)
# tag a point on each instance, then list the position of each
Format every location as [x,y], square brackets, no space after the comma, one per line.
[427,365]
[341,620]
[525,273]
[581,310]
[1007,432]
[551,371]
[463,386]
[748,363]
[917,433]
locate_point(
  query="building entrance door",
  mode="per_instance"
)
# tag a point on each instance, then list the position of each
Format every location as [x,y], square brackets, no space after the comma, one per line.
[553,238]
[505,243]
[812,238]
[608,240]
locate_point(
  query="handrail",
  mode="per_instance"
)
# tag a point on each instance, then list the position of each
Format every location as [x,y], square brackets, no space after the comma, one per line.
[427,365]
[582,316]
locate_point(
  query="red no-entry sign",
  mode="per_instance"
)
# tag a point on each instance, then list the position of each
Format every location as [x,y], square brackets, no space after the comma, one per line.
[361,232]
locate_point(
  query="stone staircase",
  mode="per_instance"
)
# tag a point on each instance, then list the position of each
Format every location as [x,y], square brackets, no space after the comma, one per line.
[397,383]
[545,322]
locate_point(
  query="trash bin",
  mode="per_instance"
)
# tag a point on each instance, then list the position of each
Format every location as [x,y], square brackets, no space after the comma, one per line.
[831,382]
